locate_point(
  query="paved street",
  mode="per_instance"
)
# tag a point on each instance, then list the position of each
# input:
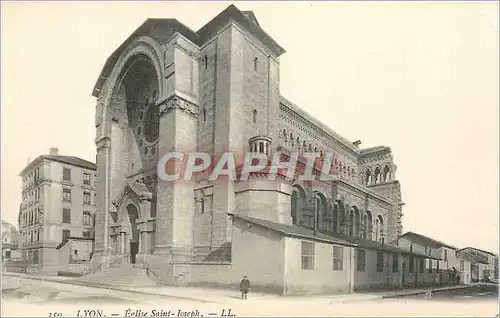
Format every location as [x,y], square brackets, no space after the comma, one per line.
[25,297]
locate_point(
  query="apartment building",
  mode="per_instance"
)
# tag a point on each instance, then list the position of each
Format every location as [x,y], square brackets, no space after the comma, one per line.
[58,202]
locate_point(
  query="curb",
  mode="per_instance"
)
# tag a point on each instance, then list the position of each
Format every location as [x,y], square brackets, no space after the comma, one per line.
[420,292]
[110,287]
[346,301]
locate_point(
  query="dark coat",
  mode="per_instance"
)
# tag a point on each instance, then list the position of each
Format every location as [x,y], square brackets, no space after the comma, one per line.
[244,285]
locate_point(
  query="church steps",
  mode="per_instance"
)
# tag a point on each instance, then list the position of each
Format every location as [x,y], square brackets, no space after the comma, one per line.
[125,276]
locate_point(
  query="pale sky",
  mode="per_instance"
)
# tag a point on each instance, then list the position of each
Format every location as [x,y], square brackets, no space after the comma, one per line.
[421,78]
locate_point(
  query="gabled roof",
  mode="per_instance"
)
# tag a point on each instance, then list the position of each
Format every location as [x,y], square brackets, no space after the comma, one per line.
[473,258]
[425,240]
[71,160]
[163,29]
[477,249]
[140,190]
[251,16]
[246,19]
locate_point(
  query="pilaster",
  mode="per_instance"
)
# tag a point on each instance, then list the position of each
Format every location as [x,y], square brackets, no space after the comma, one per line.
[175,199]
[102,197]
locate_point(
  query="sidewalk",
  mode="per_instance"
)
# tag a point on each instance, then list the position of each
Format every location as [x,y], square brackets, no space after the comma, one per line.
[205,295]
[210,295]
[420,291]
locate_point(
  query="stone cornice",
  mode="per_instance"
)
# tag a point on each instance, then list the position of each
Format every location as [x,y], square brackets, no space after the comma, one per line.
[364,192]
[375,157]
[103,142]
[176,102]
[314,131]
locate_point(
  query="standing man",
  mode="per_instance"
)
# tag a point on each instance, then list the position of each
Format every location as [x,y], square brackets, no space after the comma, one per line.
[244,287]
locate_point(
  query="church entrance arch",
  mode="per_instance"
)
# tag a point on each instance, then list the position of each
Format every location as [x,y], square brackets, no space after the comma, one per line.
[133,215]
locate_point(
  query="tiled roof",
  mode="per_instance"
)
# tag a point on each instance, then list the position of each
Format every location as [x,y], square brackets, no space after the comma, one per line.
[425,241]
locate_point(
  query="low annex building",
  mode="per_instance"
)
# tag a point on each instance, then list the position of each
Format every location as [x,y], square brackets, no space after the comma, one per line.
[442,263]
[484,264]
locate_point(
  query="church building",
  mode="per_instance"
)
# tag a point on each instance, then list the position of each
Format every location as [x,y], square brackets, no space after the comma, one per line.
[169,88]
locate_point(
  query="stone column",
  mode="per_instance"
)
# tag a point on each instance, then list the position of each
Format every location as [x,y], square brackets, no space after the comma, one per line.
[140,249]
[122,242]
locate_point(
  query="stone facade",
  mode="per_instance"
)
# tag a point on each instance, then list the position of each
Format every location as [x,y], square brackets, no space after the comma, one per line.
[168,88]
[58,201]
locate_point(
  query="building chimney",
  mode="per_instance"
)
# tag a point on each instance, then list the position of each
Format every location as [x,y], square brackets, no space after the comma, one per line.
[357,143]
[54,151]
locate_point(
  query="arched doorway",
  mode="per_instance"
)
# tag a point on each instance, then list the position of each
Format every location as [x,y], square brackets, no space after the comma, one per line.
[133,215]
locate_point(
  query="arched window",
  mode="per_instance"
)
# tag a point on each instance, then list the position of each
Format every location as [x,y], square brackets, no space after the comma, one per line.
[380,228]
[335,221]
[368,225]
[377,175]
[320,209]
[205,61]
[298,203]
[202,201]
[368,176]
[204,114]
[254,115]
[255,63]
[295,198]
[386,174]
